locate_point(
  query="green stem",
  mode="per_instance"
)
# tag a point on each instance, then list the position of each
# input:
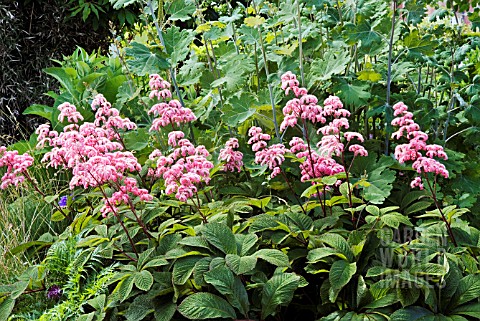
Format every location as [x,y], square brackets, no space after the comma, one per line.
[389,79]
[172,70]
[300,45]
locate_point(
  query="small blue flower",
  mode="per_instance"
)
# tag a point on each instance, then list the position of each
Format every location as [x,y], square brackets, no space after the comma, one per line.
[63,201]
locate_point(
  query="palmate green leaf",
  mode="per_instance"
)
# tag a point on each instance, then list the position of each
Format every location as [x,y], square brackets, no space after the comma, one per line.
[136,140]
[356,93]
[278,291]
[229,285]
[179,9]
[177,43]
[190,72]
[363,32]
[239,109]
[340,274]
[330,64]
[145,60]
[379,177]
[203,305]
[220,236]
[419,46]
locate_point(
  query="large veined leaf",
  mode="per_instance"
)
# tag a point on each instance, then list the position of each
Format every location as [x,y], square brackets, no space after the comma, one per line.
[183,268]
[240,264]
[203,305]
[190,72]
[145,60]
[180,9]
[316,255]
[278,291]
[177,43]
[220,236]
[467,290]
[273,256]
[40,110]
[356,93]
[124,288]
[143,280]
[6,307]
[239,109]
[352,316]
[471,310]
[419,46]
[229,285]
[339,243]
[363,32]
[341,273]
[165,311]
[379,177]
[412,313]
[136,140]
[245,242]
[330,64]
[139,308]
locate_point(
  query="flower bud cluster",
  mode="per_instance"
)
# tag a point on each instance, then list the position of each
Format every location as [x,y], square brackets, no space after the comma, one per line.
[417,143]
[184,169]
[273,156]
[231,157]
[167,113]
[334,140]
[16,165]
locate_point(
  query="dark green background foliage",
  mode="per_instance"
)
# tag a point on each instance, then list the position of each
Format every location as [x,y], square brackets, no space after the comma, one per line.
[31,34]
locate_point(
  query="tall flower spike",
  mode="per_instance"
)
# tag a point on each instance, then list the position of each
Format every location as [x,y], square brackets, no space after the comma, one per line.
[16,167]
[417,143]
[231,157]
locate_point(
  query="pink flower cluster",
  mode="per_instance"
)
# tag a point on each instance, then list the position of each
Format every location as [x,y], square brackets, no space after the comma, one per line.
[319,163]
[93,153]
[417,142]
[184,168]
[231,157]
[123,196]
[272,156]
[16,166]
[109,118]
[70,111]
[315,164]
[305,107]
[167,113]
[160,88]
